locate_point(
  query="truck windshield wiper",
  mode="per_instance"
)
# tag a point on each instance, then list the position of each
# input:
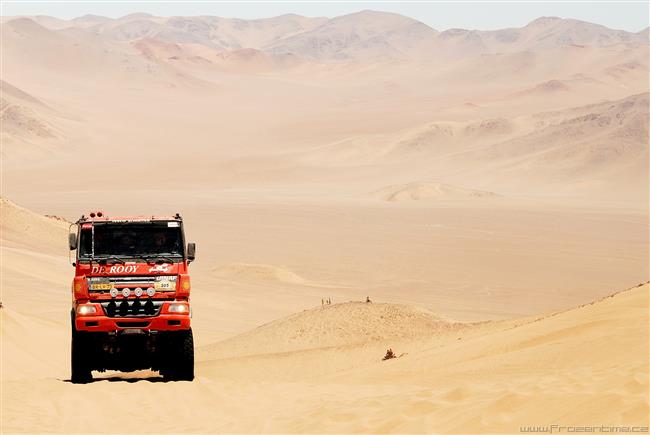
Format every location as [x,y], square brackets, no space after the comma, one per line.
[158,259]
[112,260]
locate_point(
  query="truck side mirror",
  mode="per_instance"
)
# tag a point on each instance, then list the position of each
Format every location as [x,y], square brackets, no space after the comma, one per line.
[191,251]
[72,241]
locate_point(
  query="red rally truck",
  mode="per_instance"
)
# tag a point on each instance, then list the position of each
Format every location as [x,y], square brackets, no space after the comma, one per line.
[131,296]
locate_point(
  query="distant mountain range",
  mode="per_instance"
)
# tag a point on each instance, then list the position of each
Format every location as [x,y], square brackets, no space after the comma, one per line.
[361,36]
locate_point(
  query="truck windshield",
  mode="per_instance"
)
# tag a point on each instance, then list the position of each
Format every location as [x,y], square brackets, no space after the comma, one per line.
[132,240]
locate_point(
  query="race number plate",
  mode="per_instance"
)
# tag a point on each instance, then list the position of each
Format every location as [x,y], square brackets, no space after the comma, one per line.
[101,286]
[164,285]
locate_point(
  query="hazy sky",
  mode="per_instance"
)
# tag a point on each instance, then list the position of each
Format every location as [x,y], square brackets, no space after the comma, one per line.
[631,16]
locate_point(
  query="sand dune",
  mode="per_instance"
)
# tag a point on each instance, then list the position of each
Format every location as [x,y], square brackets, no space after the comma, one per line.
[593,149]
[21,121]
[9,91]
[439,138]
[24,227]
[431,139]
[342,324]
[189,56]
[258,272]
[79,53]
[587,143]
[549,87]
[322,367]
[25,119]
[427,190]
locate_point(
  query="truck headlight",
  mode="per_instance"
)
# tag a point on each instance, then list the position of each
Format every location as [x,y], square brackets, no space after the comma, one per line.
[84,310]
[178,308]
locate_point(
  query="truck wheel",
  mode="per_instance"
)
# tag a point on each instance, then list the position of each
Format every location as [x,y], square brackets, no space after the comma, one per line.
[180,357]
[81,372]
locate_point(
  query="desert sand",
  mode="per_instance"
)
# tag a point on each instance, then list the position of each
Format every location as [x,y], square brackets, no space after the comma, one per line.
[487,190]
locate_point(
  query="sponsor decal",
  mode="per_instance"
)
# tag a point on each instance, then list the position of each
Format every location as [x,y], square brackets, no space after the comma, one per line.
[160,268]
[116,268]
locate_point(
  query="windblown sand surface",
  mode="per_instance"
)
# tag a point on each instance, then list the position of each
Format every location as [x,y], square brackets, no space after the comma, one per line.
[482,188]
[321,369]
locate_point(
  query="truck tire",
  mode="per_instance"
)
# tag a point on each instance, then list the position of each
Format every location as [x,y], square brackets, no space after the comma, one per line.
[179,357]
[80,367]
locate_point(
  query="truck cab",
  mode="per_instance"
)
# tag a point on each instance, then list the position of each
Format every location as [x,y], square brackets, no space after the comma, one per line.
[131,296]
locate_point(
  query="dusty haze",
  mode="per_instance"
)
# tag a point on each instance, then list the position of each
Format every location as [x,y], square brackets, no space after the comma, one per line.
[480,186]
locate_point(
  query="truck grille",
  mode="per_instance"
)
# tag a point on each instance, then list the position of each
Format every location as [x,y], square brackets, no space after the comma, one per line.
[131,307]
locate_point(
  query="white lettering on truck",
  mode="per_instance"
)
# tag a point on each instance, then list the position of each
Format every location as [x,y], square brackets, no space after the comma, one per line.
[116,268]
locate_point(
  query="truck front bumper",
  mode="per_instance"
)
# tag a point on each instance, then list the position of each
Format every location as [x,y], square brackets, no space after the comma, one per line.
[162,322]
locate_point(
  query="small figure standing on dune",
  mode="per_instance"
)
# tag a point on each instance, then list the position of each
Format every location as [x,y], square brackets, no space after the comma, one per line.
[368,301]
[389,354]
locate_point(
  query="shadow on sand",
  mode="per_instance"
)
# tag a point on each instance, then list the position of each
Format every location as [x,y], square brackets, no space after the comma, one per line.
[129,379]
